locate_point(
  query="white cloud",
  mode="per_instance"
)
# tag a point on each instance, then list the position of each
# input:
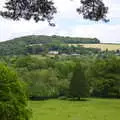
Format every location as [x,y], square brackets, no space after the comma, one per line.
[106,33]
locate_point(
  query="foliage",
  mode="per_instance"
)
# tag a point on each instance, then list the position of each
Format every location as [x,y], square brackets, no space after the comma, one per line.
[42,83]
[41,10]
[106,77]
[99,72]
[65,68]
[30,63]
[79,84]
[93,9]
[13,100]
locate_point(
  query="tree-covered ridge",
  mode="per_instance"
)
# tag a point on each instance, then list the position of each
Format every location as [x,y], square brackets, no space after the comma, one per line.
[42,39]
[20,45]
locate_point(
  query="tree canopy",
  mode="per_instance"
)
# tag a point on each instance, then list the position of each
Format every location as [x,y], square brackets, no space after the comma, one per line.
[41,10]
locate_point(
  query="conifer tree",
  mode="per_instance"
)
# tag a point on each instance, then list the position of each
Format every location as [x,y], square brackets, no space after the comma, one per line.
[79,85]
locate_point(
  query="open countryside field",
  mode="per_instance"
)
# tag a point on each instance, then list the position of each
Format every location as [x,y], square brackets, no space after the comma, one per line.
[93,109]
[110,47]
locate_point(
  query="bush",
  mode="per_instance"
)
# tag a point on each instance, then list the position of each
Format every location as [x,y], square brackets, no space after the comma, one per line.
[13,100]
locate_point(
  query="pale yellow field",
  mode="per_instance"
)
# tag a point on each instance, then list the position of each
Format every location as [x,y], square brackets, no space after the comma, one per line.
[110,47]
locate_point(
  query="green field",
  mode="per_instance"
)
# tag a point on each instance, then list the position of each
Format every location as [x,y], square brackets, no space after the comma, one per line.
[93,109]
[110,47]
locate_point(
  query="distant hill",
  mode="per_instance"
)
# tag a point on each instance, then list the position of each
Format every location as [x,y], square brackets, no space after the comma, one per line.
[18,46]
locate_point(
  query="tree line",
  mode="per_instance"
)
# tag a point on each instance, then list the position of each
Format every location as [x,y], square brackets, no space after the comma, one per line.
[59,75]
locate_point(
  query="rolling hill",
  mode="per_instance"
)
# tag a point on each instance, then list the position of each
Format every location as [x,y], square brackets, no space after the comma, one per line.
[18,46]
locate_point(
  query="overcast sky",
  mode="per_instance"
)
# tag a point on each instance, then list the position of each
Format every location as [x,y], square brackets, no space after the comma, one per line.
[68,23]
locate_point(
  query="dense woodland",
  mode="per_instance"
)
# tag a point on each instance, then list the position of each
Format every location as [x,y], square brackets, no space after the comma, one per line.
[57,76]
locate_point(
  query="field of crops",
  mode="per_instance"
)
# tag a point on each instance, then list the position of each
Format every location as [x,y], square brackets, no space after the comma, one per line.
[101,46]
[93,109]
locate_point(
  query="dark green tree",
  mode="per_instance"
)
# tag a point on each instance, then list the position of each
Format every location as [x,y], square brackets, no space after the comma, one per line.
[13,100]
[79,85]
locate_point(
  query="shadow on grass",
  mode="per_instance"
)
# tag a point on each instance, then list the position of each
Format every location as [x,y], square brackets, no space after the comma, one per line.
[41,98]
[59,98]
[74,99]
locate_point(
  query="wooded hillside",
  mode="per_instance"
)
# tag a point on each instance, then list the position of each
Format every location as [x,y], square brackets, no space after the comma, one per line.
[20,45]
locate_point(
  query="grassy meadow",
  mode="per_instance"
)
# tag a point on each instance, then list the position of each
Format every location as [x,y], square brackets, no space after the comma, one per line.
[93,109]
[110,47]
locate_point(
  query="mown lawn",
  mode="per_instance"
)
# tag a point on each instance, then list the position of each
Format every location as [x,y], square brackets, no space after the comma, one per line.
[93,109]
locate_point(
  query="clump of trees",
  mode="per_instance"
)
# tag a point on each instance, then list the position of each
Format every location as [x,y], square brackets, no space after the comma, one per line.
[42,83]
[106,77]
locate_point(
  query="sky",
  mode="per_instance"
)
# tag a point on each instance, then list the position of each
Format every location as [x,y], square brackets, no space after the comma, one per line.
[68,23]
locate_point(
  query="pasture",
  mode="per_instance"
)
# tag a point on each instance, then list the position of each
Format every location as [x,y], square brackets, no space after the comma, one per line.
[93,109]
[103,47]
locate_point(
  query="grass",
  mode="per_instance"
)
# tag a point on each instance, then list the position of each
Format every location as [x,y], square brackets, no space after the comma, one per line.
[93,109]
[110,47]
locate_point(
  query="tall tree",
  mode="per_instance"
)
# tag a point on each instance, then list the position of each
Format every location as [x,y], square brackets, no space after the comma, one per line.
[79,85]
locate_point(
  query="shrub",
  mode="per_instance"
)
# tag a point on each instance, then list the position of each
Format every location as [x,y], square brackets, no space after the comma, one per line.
[13,100]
